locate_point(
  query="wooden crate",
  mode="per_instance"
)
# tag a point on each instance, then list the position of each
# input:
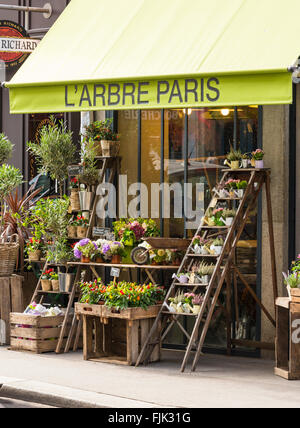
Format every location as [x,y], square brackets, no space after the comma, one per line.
[34,333]
[295,295]
[117,338]
[11,300]
[287,339]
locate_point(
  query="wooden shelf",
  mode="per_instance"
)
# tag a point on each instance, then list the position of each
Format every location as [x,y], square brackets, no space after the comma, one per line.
[179,284]
[205,255]
[178,313]
[125,266]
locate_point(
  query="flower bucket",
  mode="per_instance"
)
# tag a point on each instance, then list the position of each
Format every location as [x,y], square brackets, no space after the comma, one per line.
[55,285]
[46,285]
[110,148]
[72,232]
[69,281]
[34,256]
[85,199]
[74,200]
[81,232]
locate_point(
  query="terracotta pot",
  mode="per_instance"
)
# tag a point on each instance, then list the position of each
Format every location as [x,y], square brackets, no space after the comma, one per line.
[74,200]
[116,260]
[46,285]
[55,285]
[99,260]
[34,255]
[81,232]
[72,232]
[85,259]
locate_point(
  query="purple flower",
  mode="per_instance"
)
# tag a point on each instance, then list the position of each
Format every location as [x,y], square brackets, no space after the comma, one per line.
[83,242]
[95,245]
[77,253]
[105,248]
[117,243]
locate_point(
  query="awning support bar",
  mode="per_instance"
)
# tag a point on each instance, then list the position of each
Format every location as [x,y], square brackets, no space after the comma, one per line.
[46,10]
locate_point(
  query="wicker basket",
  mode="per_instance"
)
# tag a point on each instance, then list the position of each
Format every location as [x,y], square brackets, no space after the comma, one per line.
[9,250]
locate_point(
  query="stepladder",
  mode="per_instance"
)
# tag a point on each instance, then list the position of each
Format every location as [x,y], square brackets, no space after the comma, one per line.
[225,270]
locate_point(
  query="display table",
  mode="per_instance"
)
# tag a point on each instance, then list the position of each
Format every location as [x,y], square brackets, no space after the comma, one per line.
[116,337]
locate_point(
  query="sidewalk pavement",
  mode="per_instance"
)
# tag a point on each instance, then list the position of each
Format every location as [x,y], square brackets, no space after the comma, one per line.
[68,381]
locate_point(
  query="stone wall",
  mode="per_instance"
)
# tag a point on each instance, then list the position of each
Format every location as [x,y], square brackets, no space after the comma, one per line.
[276,146]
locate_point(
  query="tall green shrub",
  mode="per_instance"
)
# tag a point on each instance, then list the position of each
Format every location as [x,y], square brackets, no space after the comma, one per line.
[55,152]
[6,148]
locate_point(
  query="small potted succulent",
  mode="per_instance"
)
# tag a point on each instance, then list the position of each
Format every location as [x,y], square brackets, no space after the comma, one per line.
[81,224]
[245,160]
[217,245]
[258,157]
[241,186]
[84,250]
[46,280]
[233,158]
[54,281]
[229,217]
[197,303]
[205,271]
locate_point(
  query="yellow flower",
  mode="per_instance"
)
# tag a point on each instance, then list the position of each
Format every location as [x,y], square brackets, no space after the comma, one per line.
[161,253]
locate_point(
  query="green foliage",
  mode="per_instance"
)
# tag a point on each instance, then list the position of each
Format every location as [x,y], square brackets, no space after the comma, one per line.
[234,155]
[10,178]
[90,174]
[6,148]
[55,152]
[61,253]
[49,218]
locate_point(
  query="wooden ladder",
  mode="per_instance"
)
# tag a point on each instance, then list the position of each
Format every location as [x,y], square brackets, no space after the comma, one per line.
[108,164]
[225,264]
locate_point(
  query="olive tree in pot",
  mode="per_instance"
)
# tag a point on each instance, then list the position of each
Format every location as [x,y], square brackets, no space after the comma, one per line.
[6,148]
[55,152]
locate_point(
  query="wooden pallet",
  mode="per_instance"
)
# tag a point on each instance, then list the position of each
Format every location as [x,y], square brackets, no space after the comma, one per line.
[116,338]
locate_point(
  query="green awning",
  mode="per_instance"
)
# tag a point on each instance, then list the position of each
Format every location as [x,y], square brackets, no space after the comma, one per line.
[128,54]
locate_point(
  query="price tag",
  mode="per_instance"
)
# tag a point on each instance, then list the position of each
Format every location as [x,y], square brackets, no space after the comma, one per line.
[115,272]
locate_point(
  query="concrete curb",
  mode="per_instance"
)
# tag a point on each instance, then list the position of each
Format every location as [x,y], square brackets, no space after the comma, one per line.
[63,397]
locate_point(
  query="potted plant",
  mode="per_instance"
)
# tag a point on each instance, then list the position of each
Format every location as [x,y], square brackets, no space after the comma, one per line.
[197,302]
[84,250]
[231,186]
[205,271]
[74,197]
[81,224]
[54,281]
[241,187]
[229,216]
[215,217]
[72,229]
[34,249]
[93,292]
[110,143]
[6,148]
[258,157]
[245,160]
[55,151]
[177,302]
[217,245]
[221,191]
[233,158]
[46,280]
[116,251]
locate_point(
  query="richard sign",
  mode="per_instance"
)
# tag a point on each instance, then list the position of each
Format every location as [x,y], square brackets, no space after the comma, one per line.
[15,45]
